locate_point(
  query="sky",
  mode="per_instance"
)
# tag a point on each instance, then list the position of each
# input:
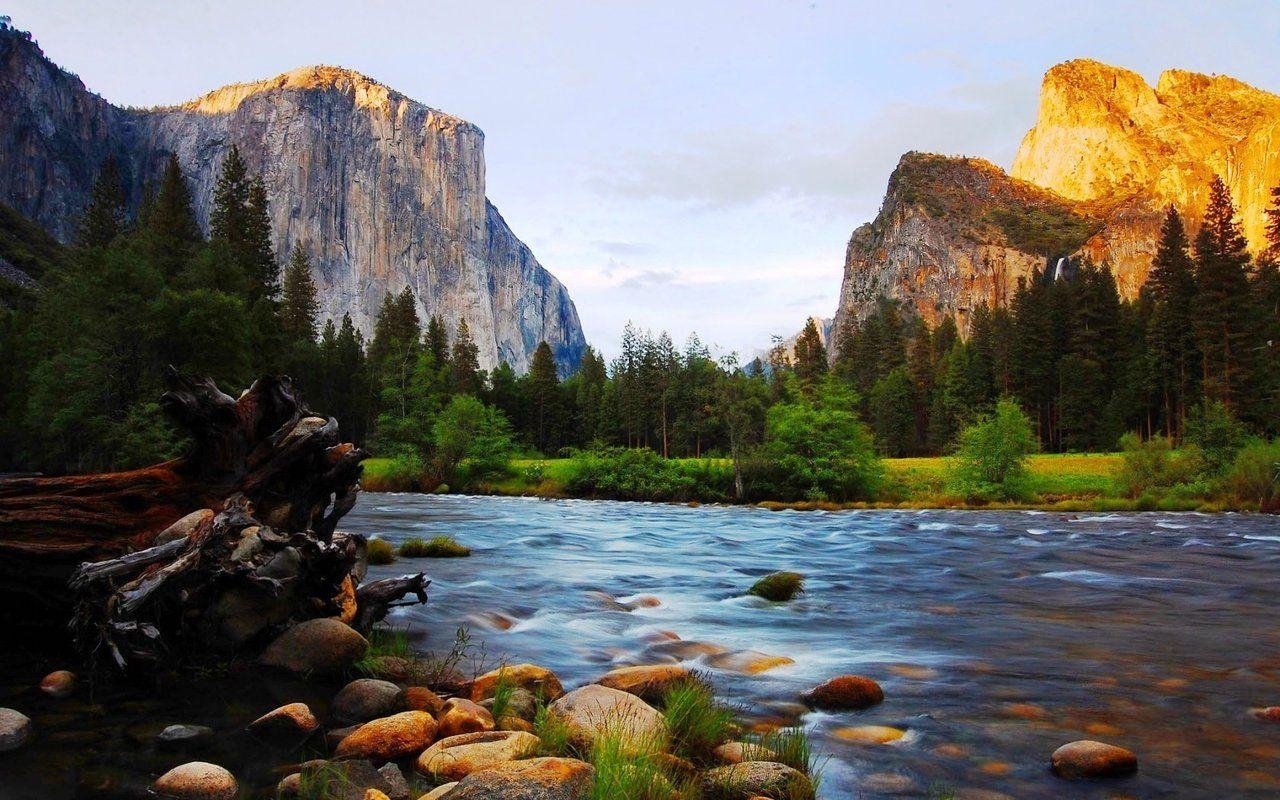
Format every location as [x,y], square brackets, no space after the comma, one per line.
[688,166]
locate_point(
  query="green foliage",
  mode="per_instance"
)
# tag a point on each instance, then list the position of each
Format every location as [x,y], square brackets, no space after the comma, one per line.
[641,474]
[468,429]
[553,734]
[380,551]
[622,773]
[791,746]
[819,449]
[1216,433]
[991,455]
[696,723]
[778,586]
[437,547]
[1254,476]
[1154,464]
[1047,230]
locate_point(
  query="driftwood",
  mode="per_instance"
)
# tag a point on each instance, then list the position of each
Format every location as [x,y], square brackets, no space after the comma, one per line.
[214,551]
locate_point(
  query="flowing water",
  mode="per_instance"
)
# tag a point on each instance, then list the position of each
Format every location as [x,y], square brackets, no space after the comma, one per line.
[997,637]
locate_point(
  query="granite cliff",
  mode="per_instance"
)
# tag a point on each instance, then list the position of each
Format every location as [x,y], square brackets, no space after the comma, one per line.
[1108,153]
[383,191]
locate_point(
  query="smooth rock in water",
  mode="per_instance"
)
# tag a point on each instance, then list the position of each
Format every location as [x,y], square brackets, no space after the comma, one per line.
[366,699]
[197,780]
[847,692]
[439,792]
[532,779]
[1268,714]
[420,698]
[650,683]
[320,646]
[15,728]
[184,734]
[459,716]
[869,734]
[539,680]
[287,724]
[737,752]
[748,662]
[594,711]
[389,738]
[685,649]
[1090,759]
[184,527]
[454,758]
[60,683]
[756,778]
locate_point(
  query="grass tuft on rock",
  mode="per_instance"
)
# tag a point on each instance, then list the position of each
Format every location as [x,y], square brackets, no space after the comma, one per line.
[379,551]
[625,772]
[438,547]
[553,734]
[778,587]
[696,723]
[791,746]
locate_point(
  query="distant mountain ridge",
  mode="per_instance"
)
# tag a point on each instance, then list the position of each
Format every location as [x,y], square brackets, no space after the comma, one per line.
[1108,153]
[384,192]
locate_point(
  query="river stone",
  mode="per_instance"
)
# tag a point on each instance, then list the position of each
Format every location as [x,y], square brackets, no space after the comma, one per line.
[15,727]
[59,683]
[439,792]
[283,565]
[737,752]
[869,734]
[520,703]
[420,698]
[847,692]
[1090,759]
[184,527]
[594,711]
[539,680]
[389,738]
[184,734]
[321,646]
[748,662]
[649,683]
[366,699]
[397,788]
[531,779]
[342,780]
[285,725]
[459,716]
[196,780]
[458,756]
[756,778]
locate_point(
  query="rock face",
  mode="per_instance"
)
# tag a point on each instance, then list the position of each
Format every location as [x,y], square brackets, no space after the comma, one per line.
[1107,155]
[382,191]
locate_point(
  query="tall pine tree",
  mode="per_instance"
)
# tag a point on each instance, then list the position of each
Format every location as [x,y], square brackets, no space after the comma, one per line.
[1171,339]
[104,218]
[1221,312]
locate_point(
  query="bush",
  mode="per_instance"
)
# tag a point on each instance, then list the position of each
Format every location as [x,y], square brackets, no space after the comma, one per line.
[1218,435]
[380,552]
[468,429]
[1153,464]
[1254,476]
[778,587]
[621,473]
[438,547]
[402,472]
[991,454]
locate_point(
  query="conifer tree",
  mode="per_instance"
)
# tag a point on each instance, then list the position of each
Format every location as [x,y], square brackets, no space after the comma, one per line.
[104,218]
[1221,313]
[259,256]
[1170,335]
[172,233]
[544,390]
[437,340]
[464,361]
[810,354]
[299,307]
[240,223]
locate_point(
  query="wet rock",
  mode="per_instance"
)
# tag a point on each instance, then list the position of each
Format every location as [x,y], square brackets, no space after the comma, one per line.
[456,757]
[389,738]
[778,587]
[846,692]
[420,698]
[737,752]
[520,703]
[756,778]
[685,649]
[197,780]
[15,728]
[60,683]
[1090,759]
[184,527]
[320,646]
[539,680]
[890,783]
[748,662]
[397,788]
[532,779]
[439,792]
[869,734]
[287,724]
[343,780]
[649,683]
[1268,714]
[594,710]
[184,734]
[366,699]
[459,716]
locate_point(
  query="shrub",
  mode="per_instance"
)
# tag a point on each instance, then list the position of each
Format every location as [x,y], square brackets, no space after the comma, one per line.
[817,448]
[552,733]
[778,587]
[1153,464]
[1218,435]
[468,429]
[641,474]
[696,723]
[991,454]
[438,547]
[380,552]
[1254,476]
[402,472]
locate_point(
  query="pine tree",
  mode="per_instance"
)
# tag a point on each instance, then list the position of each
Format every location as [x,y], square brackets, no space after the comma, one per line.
[259,257]
[104,218]
[464,361]
[810,354]
[1221,314]
[241,224]
[544,397]
[437,340]
[230,201]
[169,221]
[1170,335]
[299,307]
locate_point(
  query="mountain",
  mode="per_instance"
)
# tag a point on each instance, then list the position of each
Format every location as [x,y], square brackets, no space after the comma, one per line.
[384,192]
[1108,153]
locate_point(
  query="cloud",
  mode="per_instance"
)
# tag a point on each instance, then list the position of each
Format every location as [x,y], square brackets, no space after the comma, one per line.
[622,249]
[810,300]
[649,278]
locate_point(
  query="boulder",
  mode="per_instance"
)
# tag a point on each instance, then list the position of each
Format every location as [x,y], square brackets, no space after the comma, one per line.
[397,788]
[366,699]
[649,683]
[15,728]
[456,757]
[520,703]
[420,698]
[60,683]
[594,711]
[184,734]
[197,780]
[1090,759]
[756,778]
[542,682]
[532,779]
[389,738]
[287,724]
[748,662]
[847,692]
[737,752]
[459,716]
[319,646]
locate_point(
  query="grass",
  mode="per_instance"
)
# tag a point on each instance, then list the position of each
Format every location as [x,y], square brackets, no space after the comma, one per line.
[622,773]
[380,551]
[553,735]
[502,691]
[384,643]
[327,781]
[437,547]
[779,586]
[696,723]
[791,746]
